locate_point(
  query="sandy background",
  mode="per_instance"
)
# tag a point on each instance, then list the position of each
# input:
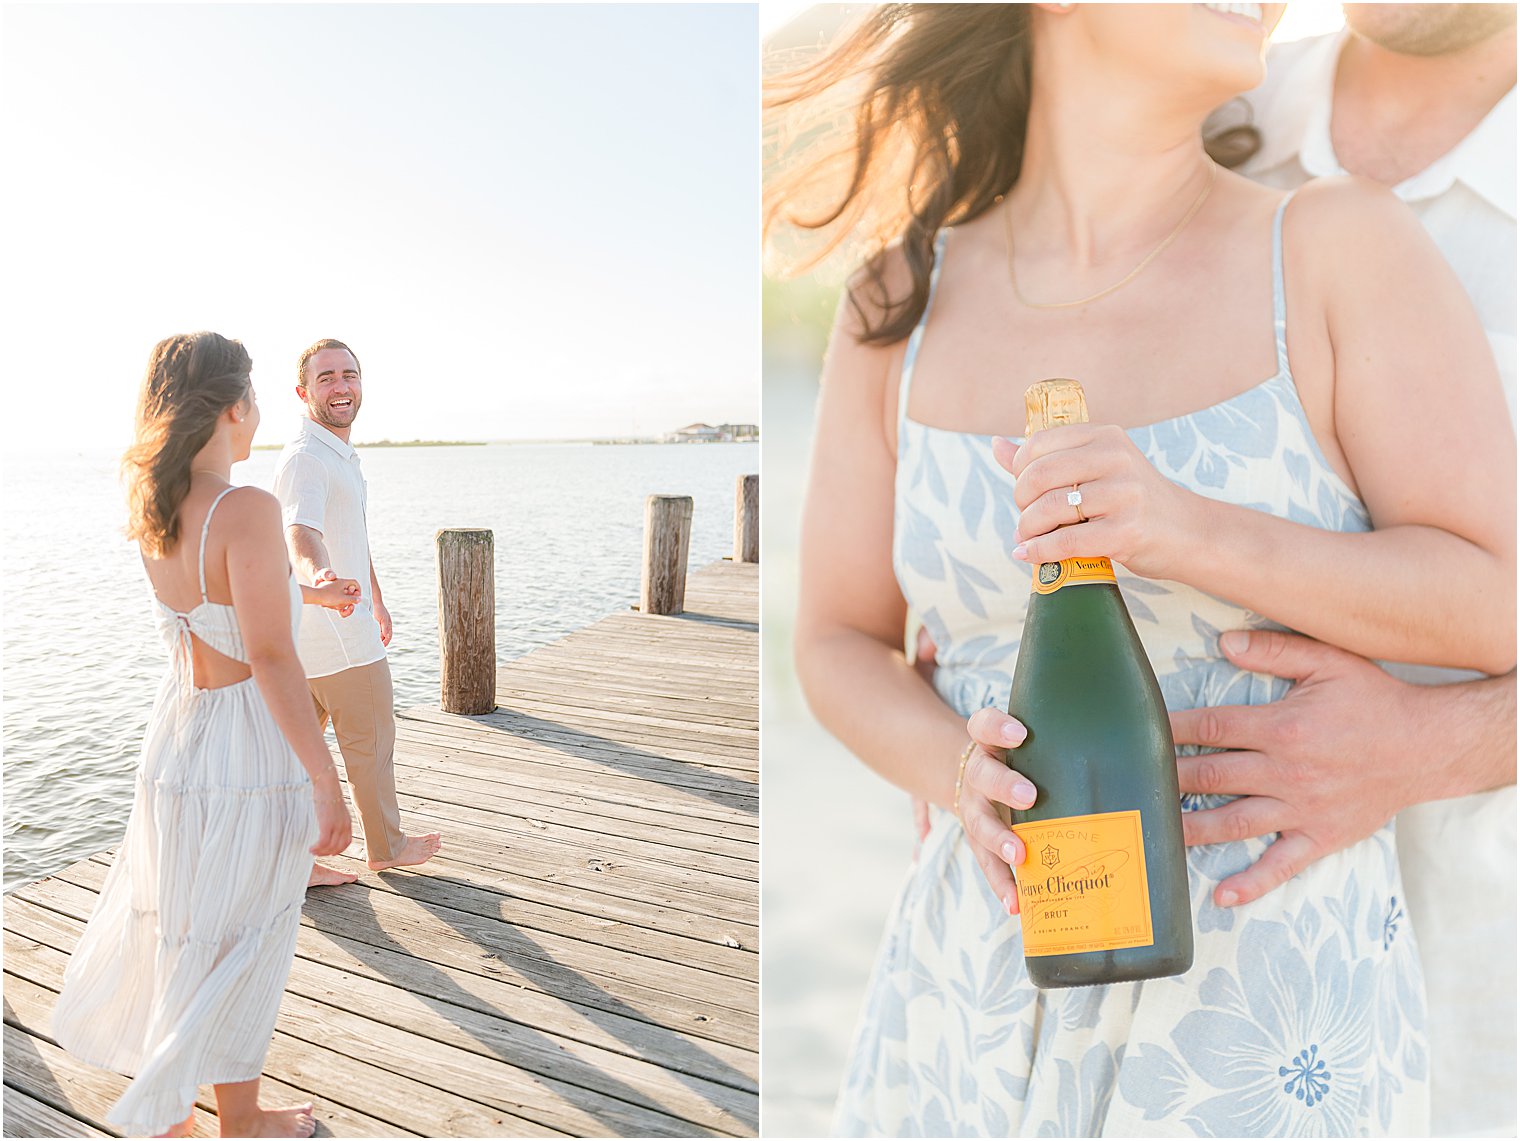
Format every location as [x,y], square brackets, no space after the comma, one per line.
[836,838]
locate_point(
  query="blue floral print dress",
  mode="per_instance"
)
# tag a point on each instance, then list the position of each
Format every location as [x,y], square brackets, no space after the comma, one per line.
[1304,1012]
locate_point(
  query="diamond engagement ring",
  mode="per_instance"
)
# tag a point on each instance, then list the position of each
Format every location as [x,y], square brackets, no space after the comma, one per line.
[1074,498]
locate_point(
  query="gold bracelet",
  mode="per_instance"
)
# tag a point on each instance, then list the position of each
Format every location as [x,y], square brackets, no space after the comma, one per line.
[960,774]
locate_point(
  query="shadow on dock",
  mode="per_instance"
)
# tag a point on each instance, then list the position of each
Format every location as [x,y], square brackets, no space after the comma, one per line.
[642,764]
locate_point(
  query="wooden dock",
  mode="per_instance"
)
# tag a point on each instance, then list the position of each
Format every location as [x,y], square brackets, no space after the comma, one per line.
[581,958]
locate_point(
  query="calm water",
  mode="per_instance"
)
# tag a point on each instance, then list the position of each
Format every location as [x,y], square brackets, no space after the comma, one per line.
[82,659]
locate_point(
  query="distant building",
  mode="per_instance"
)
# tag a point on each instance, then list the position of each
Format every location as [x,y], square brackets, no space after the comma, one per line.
[694,434]
[708,434]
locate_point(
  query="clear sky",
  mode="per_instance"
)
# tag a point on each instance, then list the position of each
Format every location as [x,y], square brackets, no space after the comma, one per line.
[528,220]
[1301,17]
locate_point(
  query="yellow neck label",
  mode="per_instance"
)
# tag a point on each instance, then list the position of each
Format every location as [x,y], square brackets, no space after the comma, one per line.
[1082,885]
[1051,577]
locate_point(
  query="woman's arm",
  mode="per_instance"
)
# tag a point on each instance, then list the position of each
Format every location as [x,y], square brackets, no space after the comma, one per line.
[851,616]
[1412,401]
[258,576]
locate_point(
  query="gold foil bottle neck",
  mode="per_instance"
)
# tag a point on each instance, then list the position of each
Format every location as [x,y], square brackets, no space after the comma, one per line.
[1048,403]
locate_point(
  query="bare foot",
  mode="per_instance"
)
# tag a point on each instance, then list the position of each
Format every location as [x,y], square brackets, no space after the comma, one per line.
[292,1121]
[328,877]
[184,1129]
[416,850]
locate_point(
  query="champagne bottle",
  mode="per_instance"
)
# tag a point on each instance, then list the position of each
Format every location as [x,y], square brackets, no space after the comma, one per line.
[1103,889]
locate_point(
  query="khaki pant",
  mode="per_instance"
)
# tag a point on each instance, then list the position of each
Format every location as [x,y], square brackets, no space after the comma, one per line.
[361,706]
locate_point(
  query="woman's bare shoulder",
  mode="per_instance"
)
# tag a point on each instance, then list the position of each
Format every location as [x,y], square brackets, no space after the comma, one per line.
[856,380]
[247,508]
[1363,253]
[1343,214]
[874,286]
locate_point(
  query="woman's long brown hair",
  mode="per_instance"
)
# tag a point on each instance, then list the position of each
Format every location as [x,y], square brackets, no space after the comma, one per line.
[915,121]
[191,380]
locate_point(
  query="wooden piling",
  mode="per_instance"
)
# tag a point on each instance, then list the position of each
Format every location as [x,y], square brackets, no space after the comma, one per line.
[467,620]
[667,538]
[747,519]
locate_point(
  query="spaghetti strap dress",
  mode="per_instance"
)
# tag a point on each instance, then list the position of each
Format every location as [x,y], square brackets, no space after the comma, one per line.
[178,976]
[1304,1012]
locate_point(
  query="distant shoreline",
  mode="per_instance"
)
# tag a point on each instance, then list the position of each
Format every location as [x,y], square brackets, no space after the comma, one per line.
[515,443]
[395,444]
[743,440]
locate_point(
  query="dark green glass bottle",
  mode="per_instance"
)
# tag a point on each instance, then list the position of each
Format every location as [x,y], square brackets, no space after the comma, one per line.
[1103,890]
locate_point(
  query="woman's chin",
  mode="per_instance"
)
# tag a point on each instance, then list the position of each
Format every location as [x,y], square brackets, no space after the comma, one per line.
[1233,65]
[1228,78]
[1247,75]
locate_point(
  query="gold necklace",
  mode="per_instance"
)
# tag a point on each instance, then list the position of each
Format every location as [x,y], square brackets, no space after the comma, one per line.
[1123,281]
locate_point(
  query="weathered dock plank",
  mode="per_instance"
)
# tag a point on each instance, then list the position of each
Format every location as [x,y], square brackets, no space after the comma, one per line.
[580,959]
[27,1117]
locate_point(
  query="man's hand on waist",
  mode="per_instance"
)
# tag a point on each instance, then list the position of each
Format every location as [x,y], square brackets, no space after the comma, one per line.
[1324,768]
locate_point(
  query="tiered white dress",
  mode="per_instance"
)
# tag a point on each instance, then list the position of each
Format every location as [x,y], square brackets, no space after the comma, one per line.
[1304,1012]
[178,976]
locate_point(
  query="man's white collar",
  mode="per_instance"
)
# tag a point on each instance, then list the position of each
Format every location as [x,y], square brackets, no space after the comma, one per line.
[1483,161]
[316,431]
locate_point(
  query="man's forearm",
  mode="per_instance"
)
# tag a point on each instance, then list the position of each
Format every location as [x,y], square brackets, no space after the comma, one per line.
[1468,729]
[308,553]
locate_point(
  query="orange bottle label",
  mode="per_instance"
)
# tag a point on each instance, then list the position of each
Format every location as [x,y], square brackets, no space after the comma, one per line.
[1051,577]
[1082,885]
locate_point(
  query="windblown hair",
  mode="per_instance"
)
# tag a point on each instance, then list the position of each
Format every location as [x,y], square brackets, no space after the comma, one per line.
[324,343]
[191,380]
[915,121]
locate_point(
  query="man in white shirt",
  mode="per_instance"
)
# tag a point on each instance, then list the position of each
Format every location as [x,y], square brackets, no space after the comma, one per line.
[322,494]
[1419,97]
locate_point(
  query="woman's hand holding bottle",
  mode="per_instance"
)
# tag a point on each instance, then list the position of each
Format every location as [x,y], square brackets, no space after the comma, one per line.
[1132,513]
[986,782]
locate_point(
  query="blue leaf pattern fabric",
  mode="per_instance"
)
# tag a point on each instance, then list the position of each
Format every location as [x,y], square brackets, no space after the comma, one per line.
[1304,1012]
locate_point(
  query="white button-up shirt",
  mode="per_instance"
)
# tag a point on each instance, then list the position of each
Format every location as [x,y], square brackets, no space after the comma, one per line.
[1457,856]
[319,485]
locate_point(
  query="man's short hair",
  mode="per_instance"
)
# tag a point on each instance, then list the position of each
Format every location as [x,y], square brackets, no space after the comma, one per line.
[324,343]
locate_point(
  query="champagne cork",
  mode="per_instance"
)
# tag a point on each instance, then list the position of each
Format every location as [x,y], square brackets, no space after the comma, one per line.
[1048,403]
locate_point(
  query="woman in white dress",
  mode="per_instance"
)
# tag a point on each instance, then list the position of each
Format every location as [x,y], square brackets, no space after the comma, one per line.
[1045,207]
[177,978]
